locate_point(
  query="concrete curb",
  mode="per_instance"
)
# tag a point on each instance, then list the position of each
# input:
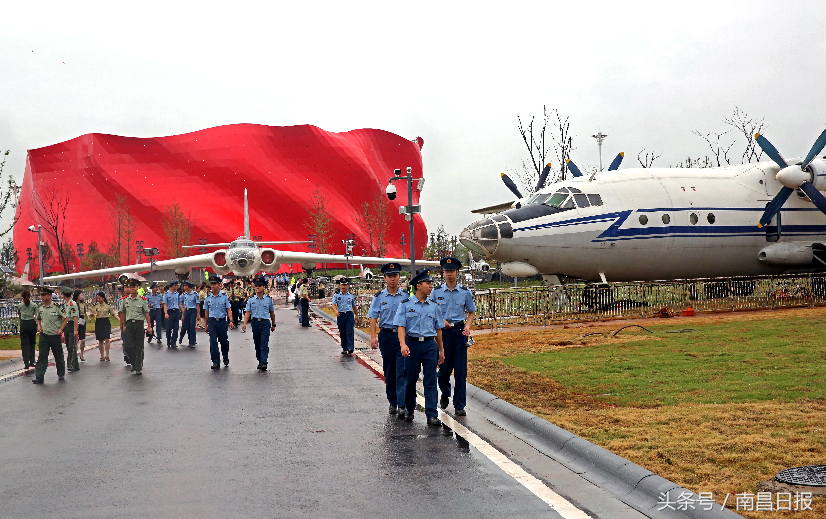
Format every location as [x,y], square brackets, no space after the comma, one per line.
[632,484]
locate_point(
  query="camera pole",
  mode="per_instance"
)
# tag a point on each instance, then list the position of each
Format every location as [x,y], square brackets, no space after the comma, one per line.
[407,210]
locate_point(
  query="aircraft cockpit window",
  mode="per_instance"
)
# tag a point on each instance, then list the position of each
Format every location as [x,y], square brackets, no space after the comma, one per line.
[556,200]
[231,245]
[534,198]
[569,204]
[581,200]
[595,199]
[563,190]
[574,190]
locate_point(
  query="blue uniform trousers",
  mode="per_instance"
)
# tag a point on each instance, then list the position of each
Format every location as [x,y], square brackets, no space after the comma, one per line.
[455,345]
[261,338]
[172,327]
[393,366]
[218,333]
[155,316]
[424,355]
[346,329]
[188,325]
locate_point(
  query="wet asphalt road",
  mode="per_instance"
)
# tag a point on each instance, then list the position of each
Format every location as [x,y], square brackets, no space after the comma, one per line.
[311,437]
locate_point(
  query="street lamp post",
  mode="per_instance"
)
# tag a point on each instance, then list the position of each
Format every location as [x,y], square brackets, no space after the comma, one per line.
[407,210]
[600,137]
[80,255]
[139,251]
[39,251]
[349,243]
[403,242]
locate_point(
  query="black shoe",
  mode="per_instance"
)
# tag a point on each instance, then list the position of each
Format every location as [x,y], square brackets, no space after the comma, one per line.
[181,340]
[138,373]
[409,416]
[344,352]
[260,366]
[37,381]
[226,362]
[149,340]
[444,400]
[60,377]
[432,420]
[393,409]
[175,346]
[263,367]
[159,341]
[461,412]
[215,366]
[191,345]
[70,369]
[402,413]
[350,352]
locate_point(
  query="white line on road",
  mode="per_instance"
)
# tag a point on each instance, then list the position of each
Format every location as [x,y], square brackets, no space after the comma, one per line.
[533,484]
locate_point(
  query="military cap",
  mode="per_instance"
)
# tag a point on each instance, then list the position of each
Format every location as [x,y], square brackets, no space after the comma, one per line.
[133,283]
[214,280]
[172,283]
[46,290]
[259,282]
[344,281]
[188,284]
[391,268]
[66,291]
[424,275]
[153,285]
[450,263]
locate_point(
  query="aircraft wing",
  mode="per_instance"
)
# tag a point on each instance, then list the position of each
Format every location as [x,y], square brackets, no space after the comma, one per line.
[498,208]
[201,260]
[309,257]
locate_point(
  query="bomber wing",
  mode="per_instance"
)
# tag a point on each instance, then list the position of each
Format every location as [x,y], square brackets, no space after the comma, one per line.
[309,257]
[201,260]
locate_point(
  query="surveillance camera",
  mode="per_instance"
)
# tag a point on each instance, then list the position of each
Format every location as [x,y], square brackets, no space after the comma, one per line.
[391,192]
[397,172]
[31,228]
[409,170]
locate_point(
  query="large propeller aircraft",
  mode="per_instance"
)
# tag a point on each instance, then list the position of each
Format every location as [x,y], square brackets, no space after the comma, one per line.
[242,257]
[642,224]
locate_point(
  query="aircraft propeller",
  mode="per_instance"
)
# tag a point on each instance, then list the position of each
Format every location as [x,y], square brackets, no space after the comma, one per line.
[615,164]
[543,176]
[508,182]
[801,176]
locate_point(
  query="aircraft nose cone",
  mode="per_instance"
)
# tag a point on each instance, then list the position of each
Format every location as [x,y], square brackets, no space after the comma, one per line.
[792,177]
[481,237]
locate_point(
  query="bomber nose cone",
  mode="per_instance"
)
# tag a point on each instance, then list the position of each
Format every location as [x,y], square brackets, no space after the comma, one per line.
[481,237]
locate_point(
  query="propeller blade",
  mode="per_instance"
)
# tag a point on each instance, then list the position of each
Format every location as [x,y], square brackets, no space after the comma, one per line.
[814,195]
[508,182]
[771,151]
[617,161]
[573,169]
[543,176]
[774,206]
[818,146]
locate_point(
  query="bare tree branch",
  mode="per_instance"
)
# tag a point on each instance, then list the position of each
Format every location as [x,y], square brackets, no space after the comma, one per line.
[748,127]
[50,208]
[649,158]
[719,152]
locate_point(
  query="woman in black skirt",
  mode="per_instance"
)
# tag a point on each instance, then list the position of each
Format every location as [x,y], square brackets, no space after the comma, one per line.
[103,328]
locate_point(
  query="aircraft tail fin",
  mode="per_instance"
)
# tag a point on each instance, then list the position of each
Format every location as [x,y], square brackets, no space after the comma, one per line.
[246,217]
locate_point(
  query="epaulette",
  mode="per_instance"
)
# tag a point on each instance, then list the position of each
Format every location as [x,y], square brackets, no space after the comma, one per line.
[378,293]
[143,297]
[406,300]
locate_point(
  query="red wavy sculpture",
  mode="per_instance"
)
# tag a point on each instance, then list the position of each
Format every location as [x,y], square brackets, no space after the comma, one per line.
[206,173]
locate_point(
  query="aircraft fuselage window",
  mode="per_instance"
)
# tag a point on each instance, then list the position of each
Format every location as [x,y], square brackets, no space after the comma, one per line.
[581,200]
[666,219]
[595,200]
[711,218]
[643,219]
[694,219]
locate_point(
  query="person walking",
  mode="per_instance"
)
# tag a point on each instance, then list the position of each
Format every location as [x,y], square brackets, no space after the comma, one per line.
[172,312]
[235,293]
[304,303]
[50,324]
[189,302]
[458,311]
[261,311]
[420,324]
[202,293]
[381,314]
[82,319]
[70,331]
[344,303]
[155,299]
[218,312]
[133,311]
[103,326]
[27,311]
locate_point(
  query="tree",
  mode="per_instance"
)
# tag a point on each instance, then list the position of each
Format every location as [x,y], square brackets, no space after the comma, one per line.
[50,208]
[748,127]
[6,198]
[8,255]
[442,244]
[319,220]
[648,160]
[374,218]
[539,147]
[742,125]
[95,260]
[123,227]
[177,228]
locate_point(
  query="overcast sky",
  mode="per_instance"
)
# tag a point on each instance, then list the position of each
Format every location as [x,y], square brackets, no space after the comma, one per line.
[455,73]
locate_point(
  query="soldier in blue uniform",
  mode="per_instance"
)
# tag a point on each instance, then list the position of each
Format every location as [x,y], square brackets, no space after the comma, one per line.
[382,313]
[458,311]
[172,313]
[344,303]
[189,301]
[420,324]
[218,314]
[261,312]
[154,300]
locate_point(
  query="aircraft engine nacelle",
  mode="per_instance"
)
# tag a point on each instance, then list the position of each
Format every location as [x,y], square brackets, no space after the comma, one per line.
[219,262]
[367,274]
[269,261]
[309,266]
[518,269]
[818,168]
[788,254]
[484,267]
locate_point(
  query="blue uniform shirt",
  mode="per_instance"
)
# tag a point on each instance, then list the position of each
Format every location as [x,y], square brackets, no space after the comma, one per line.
[344,302]
[171,300]
[190,300]
[419,319]
[154,300]
[384,306]
[217,305]
[259,307]
[453,303]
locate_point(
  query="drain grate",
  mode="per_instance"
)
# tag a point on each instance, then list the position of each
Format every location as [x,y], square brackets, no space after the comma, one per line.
[810,475]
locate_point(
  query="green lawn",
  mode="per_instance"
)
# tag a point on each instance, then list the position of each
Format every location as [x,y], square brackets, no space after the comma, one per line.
[12,342]
[727,362]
